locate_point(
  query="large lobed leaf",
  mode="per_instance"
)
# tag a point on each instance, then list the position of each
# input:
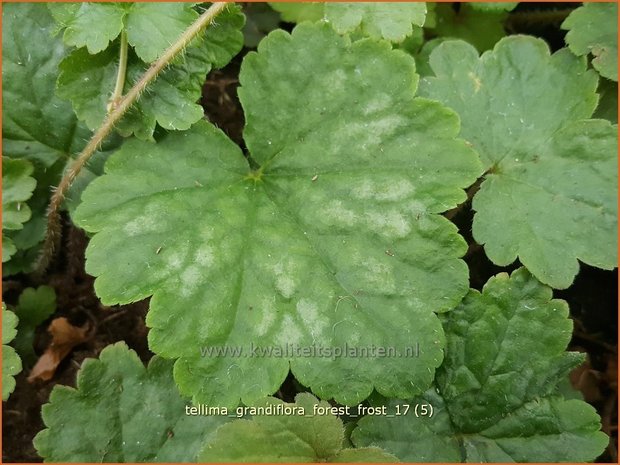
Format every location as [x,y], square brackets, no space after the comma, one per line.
[121,412]
[496,395]
[37,125]
[298,437]
[593,29]
[549,195]
[88,80]
[11,363]
[334,238]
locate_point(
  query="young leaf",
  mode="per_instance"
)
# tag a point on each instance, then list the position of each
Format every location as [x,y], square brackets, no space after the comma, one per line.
[549,170]
[495,398]
[11,364]
[393,21]
[121,412]
[335,238]
[298,437]
[89,24]
[88,80]
[593,28]
[33,308]
[152,26]
[17,187]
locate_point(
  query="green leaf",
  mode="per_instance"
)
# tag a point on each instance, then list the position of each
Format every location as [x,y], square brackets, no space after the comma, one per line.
[393,21]
[33,308]
[88,81]
[8,248]
[17,187]
[37,125]
[336,238]
[608,101]
[152,26]
[422,58]
[549,194]
[121,412]
[260,20]
[481,28]
[593,29]
[11,364]
[293,12]
[495,398]
[388,20]
[302,436]
[91,25]
[493,6]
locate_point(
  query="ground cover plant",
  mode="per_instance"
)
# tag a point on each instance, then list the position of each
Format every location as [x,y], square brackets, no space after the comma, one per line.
[344,232]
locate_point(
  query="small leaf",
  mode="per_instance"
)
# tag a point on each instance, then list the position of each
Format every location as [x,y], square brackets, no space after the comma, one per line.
[91,25]
[88,80]
[334,239]
[593,29]
[393,21]
[33,308]
[36,124]
[121,412]
[11,363]
[17,187]
[292,12]
[152,26]
[495,398]
[549,170]
[298,437]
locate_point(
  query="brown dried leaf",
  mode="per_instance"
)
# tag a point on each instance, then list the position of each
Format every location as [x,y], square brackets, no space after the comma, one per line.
[65,337]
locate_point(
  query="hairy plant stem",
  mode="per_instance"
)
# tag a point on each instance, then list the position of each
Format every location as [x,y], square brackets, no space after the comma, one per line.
[117,95]
[53,233]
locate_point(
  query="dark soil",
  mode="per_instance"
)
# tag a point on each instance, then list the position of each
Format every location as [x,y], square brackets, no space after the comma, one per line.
[592,299]
[21,414]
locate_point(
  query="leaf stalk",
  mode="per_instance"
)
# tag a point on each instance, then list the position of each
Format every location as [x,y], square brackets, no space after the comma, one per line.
[53,232]
[122,72]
